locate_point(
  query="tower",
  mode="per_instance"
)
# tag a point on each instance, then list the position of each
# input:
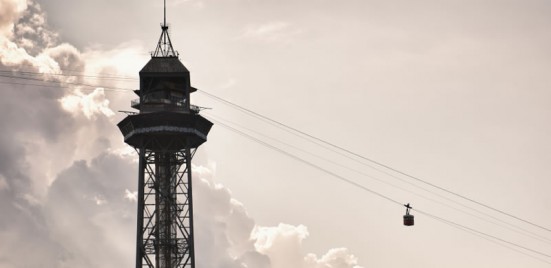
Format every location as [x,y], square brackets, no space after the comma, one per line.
[166,133]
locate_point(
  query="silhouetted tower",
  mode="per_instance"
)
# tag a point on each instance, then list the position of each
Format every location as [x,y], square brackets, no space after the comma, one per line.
[166,132]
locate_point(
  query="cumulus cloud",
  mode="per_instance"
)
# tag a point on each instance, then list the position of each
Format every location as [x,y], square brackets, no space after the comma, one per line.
[31,31]
[67,183]
[26,40]
[39,138]
[89,104]
[225,229]
[284,246]
[334,258]
[10,11]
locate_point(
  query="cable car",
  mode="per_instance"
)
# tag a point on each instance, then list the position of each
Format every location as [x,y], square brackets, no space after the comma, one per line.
[408,218]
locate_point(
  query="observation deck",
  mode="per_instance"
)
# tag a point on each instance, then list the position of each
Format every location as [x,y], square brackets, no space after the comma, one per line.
[166,121]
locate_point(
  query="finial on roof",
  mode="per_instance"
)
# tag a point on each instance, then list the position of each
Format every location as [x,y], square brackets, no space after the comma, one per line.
[164,46]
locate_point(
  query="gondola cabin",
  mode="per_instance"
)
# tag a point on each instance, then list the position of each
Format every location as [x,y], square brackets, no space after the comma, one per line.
[408,218]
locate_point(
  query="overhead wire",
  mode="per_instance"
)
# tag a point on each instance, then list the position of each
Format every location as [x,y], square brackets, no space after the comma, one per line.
[329,172]
[58,84]
[495,221]
[306,162]
[364,188]
[485,237]
[65,72]
[498,222]
[263,117]
[310,136]
[277,123]
[483,233]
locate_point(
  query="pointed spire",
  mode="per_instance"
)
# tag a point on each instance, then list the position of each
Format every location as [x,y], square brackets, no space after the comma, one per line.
[164,46]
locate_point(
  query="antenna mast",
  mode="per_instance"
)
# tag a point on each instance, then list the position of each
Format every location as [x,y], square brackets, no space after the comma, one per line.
[164,46]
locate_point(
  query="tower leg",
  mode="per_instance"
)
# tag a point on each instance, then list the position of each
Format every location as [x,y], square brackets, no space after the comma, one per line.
[190,205]
[140,200]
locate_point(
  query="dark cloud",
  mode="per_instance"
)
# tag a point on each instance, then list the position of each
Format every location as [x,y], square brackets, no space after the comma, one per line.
[23,234]
[88,214]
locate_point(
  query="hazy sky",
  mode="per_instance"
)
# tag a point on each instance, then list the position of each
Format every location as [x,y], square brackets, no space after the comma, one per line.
[457,93]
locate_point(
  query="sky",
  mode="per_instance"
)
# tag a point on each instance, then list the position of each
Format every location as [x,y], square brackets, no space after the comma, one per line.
[456,93]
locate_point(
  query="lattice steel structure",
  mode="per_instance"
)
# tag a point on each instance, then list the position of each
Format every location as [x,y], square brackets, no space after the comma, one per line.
[166,133]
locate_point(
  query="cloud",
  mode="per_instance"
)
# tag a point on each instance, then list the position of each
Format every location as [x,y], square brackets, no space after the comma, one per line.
[18,58]
[3,183]
[67,58]
[224,228]
[230,83]
[272,32]
[131,196]
[31,31]
[199,4]
[283,245]
[10,10]
[122,62]
[68,184]
[87,203]
[21,42]
[334,258]
[90,105]
[39,138]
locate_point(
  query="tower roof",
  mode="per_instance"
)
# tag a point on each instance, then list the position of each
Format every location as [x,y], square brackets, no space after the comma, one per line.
[164,65]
